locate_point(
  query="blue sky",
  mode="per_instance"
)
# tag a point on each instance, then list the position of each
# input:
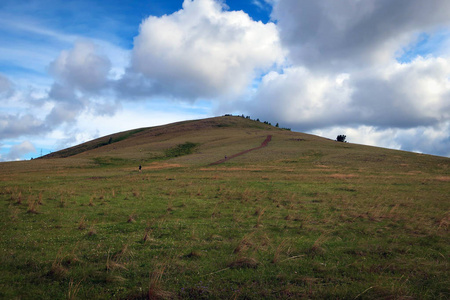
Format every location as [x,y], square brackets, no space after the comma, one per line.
[375,70]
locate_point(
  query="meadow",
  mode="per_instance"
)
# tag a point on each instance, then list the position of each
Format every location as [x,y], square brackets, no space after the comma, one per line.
[304,218]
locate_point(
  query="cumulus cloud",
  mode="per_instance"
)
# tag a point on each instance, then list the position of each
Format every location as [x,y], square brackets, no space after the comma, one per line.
[64,113]
[404,95]
[202,51]
[81,67]
[17,151]
[302,99]
[342,35]
[400,96]
[81,77]
[18,125]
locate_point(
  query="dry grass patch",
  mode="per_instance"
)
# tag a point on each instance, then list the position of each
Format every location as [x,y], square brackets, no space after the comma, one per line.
[224,169]
[443,178]
[343,176]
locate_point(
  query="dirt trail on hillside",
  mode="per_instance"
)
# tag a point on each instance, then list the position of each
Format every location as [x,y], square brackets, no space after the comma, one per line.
[263,144]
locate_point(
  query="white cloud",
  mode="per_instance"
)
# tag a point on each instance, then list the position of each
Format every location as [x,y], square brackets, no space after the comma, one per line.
[17,151]
[82,82]
[203,51]
[404,95]
[81,67]
[401,95]
[301,99]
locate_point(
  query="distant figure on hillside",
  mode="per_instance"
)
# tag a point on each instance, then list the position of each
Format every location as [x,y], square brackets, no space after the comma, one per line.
[225,157]
[140,167]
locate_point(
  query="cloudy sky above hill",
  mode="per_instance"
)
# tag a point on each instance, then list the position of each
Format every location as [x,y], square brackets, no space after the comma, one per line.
[375,70]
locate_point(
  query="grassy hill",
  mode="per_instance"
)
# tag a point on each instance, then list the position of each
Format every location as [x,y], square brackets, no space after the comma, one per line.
[304,217]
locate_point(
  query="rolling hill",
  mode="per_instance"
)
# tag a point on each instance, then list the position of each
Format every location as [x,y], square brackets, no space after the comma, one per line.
[216,137]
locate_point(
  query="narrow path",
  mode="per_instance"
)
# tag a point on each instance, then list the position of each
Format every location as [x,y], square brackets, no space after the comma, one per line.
[263,144]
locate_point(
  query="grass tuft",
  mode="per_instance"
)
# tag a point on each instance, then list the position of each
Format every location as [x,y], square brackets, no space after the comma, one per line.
[19,198]
[82,223]
[148,231]
[74,289]
[259,213]
[57,270]
[193,254]
[132,218]
[155,288]
[92,231]
[244,262]
[32,206]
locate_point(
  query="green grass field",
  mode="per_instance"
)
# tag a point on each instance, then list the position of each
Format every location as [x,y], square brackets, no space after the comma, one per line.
[304,217]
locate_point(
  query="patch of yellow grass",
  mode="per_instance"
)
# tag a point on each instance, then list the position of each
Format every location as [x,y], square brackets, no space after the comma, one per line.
[443,178]
[343,176]
[231,169]
[323,166]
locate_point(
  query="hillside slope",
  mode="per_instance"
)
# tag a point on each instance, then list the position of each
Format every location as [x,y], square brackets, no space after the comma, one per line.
[136,139]
[215,138]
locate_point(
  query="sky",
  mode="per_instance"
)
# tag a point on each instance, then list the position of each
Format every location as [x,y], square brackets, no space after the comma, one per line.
[377,71]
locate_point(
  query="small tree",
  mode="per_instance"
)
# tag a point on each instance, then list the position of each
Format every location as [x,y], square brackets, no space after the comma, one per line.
[341,138]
